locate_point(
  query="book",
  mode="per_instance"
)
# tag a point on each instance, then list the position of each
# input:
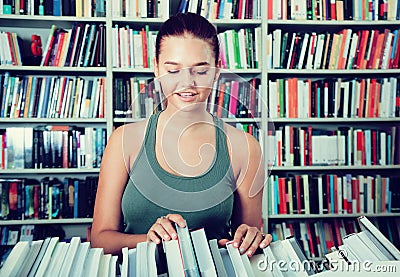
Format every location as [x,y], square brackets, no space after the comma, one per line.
[187,251]
[203,253]
[15,259]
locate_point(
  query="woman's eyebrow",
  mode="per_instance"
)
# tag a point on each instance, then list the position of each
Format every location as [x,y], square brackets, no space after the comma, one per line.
[176,63]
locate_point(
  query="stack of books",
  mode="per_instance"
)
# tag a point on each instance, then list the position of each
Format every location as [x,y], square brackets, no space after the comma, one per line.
[192,254]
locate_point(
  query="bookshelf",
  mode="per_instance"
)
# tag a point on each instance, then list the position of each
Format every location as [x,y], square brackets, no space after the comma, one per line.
[307,24]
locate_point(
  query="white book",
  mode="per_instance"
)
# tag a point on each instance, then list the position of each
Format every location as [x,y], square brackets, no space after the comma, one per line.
[57,259]
[174,259]
[303,50]
[311,50]
[79,259]
[31,257]
[16,259]
[318,52]
[237,262]
[138,49]
[187,251]
[104,266]
[287,66]
[242,48]
[113,266]
[247,265]
[69,256]
[46,258]
[141,259]
[203,253]
[216,254]
[92,262]
[360,250]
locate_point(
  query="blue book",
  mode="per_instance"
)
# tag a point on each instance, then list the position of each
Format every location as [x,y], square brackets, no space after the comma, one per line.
[276,195]
[89,48]
[43,113]
[221,9]
[389,149]
[7,7]
[32,96]
[183,6]
[57,8]
[76,189]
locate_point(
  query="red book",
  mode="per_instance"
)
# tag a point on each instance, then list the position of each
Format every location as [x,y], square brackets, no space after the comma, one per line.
[253,92]
[310,236]
[371,98]
[12,50]
[333,10]
[36,196]
[144,45]
[309,129]
[371,57]
[13,199]
[361,113]
[362,47]
[335,196]
[269,9]
[282,196]
[240,9]
[300,208]
[351,197]
[337,232]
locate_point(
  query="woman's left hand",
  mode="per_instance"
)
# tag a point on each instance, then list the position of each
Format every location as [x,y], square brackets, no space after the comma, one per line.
[248,239]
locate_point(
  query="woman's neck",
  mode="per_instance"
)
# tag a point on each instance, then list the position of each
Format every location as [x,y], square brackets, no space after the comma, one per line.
[179,120]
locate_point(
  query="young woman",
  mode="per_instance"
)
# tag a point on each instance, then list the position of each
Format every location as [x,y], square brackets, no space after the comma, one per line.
[182,165]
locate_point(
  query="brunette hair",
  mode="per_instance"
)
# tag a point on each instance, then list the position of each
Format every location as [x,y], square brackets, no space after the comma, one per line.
[189,24]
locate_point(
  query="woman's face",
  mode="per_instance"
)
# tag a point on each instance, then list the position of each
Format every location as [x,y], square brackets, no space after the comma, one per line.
[186,70]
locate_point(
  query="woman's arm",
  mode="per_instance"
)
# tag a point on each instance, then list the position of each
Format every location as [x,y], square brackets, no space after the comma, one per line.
[247,210]
[107,218]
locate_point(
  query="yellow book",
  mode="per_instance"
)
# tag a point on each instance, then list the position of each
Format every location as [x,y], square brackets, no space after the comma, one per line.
[28,97]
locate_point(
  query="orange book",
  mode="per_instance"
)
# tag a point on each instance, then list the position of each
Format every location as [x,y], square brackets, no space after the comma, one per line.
[386,32]
[220,99]
[341,61]
[270,9]
[376,58]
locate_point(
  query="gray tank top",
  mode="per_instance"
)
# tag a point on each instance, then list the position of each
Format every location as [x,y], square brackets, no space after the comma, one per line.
[204,201]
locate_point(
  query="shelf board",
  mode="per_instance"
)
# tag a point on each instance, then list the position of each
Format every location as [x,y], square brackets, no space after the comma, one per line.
[133,70]
[50,121]
[117,20]
[228,120]
[335,167]
[22,172]
[47,221]
[333,120]
[52,18]
[235,22]
[332,71]
[346,23]
[54,69]
[322,216]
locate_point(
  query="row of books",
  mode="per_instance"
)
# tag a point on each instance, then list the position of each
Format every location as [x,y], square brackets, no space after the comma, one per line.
[81,46]
[333,10]
[140,8]
[251,128]
[222,9]
[346,49]
[47,198]
[79,8]
[333,194]
[51,147]
[318,237]
[191,254]
[334,97]
[136,97]
[306,146]
[51,97]
[240,49]
[133,48]
[236,98]
[10,53]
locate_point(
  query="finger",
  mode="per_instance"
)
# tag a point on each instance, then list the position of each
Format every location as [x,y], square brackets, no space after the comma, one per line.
[178,219]
[168,227]
[152,236]
[223,242]
[267,240]
[251,234]
[159,229]
[254,245]
[239,235]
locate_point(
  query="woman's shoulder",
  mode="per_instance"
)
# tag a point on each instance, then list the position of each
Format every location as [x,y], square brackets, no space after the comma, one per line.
[129,135]
[237,137]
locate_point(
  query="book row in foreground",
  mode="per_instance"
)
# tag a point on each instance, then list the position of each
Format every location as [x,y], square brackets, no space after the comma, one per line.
[192,254]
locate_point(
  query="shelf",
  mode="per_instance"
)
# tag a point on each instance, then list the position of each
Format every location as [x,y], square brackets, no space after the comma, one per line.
[235,23]
[52,18]
[346,23]
[322,216]
[133,70]
[50,121]
[335,167]
[332,71]
[63,171]
[151,21]
[335,120]
[46,69]
[46,221]
[227,120]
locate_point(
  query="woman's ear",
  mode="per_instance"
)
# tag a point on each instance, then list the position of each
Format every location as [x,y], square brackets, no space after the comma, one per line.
[156,72]
[217,70]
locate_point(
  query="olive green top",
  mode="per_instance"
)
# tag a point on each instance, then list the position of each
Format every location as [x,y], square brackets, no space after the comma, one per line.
[204,201]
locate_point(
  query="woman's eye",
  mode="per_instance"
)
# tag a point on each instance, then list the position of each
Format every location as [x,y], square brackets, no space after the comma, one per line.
[202,72]
[173,71]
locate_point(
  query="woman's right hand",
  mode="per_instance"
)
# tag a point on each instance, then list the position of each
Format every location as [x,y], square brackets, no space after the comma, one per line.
[163,228]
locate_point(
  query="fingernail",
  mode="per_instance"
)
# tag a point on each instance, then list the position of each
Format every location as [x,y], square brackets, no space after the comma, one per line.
[157,241]
[166,237]
[182,223]
[249,253]
[241,250]
[262,245]
[174,235]
[235,244]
